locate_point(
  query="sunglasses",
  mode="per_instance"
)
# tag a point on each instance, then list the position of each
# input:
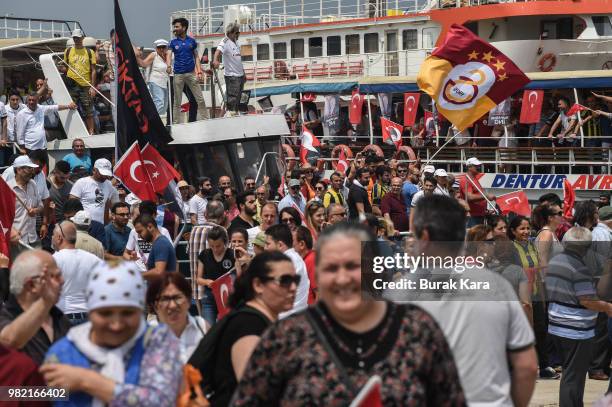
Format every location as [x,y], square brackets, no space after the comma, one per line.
[402,171]
[319,188]
[560,213]
[286,280]
[288,220]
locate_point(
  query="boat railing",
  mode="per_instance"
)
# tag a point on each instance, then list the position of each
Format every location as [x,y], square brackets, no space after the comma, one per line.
[18,27]
[265,15]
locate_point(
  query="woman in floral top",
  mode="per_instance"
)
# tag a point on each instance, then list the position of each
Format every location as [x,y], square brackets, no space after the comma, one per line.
[115,359]
[326,354]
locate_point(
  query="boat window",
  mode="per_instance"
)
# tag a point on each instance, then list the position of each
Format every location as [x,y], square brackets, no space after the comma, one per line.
[602,25]
[280,50]
[430,35]
[352,44]
[370,43]
[263,52]
[297,48]
[315,47]
[333,45]
[410,39]
[246,52]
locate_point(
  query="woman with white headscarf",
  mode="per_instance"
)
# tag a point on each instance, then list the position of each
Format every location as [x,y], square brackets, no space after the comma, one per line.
[115,359]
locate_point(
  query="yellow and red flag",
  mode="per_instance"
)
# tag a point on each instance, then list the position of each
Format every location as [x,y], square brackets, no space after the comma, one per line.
[467,77]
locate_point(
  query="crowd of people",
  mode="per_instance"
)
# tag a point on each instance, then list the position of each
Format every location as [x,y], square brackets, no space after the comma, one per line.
[99,295]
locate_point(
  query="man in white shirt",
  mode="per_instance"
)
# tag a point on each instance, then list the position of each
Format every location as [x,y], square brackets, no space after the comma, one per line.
[278,237]
[232,63]
[442,178]
[30,123]
[76,266]
[27,203]
[15,106]
[96,192]
[197,204]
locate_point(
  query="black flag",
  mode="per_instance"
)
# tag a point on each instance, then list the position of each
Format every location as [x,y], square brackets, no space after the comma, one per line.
[137,118]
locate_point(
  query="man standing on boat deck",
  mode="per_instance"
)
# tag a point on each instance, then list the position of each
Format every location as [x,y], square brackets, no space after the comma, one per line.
[232,62]
[187,69]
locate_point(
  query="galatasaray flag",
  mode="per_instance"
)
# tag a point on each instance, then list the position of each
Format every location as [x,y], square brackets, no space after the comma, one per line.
[467,77]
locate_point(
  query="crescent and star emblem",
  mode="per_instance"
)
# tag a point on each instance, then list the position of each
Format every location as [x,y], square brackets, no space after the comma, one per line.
[224,291]
[410,106]
[355,102]
[532,104]
[135,165]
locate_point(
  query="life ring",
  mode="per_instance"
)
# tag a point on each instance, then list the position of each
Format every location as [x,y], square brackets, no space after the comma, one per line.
[289,156]
[336,153]
[373,147]
[408,151]
[547,62]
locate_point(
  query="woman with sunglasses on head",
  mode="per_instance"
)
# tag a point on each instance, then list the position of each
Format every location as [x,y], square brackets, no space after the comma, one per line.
[169,298]
[315,218]
[156,74]
[290,217]
[326,354]
[267,288]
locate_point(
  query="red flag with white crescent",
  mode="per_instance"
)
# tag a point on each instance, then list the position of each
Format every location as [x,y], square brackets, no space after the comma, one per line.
[411,104]
[131,170]
[309,146]
[160,170]
[532,106]
[355,108]
[516,202]
[221,289]
[7,216]
[391,132]
[342,165]
[569,198]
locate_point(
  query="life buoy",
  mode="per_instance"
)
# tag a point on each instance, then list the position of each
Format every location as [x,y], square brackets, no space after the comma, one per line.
[375,148]
[547,62]
[336,153]
[289,156]
[406,150]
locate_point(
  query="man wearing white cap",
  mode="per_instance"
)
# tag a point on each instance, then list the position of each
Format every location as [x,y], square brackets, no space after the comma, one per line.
[156,74]
[28,203]
[81,77]
[473,192]
[442,178]
[96,192]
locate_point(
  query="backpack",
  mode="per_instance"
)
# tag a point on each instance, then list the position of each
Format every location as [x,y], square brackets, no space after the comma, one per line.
[205,355]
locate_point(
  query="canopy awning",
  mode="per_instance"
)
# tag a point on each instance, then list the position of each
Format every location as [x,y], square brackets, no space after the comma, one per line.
[318,86]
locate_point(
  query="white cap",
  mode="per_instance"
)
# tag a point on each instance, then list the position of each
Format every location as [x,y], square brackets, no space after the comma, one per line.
[440,172]
[429,168]
[77,32]
[23,161]
[473,161]
[160,43]
[119,286]
[104,166]
[81,218]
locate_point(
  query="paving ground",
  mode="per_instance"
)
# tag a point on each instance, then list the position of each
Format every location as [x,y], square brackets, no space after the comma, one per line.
[547,392]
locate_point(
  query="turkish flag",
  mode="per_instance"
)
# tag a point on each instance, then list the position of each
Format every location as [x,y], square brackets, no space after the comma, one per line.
[355,108]
[309,146]
[221,289]
[132,172]
[342,165]
[160,170]
[391,132]
[516,202]
[369,395]
[429,124]
[532,106]
[7,216]
[411,105]
[575,109]
[569,198]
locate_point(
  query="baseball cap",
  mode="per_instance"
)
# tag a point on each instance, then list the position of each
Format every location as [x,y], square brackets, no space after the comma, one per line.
[429,168]
[23,161]
[440,172]
[294,183]
[473,161]
[104,166]
[260,239]
[160,43]
[182,184]
[605,213]
[81,218]
[77,32]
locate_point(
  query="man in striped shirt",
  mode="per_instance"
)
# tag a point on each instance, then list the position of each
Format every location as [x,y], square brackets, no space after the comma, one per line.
[572,312]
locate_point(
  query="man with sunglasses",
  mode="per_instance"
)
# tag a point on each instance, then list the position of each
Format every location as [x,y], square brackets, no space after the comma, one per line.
[117,233]
[294,198]
[76,266]
[335,213]
[279,238]
[60,187]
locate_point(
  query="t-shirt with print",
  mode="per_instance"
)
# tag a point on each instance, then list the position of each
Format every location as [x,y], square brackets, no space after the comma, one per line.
[232,62]
[184,61]
[142,248]
[80,60]
[93,195]
[214,269]
[162,250]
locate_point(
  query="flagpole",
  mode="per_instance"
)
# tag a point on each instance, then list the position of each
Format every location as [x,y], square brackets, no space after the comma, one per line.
[302,114]
[433,117]
[370,121]
[481,192]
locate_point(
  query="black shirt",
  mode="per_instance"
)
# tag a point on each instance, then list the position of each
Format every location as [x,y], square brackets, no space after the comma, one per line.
[241,325]
[238,222]
[214,269]
[356,195]
[37,347]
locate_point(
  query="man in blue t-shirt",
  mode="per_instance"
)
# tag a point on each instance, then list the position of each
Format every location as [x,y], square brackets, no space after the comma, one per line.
[410,187]
[162,257]
[187,69]
[78,157]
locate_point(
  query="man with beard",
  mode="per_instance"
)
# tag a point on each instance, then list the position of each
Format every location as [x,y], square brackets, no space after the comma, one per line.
[96,192]
[248,209]
[117,233]
[197,204]
[410,187]
[162,257]
[566,123]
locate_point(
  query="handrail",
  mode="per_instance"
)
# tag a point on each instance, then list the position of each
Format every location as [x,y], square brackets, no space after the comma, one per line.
[52,27]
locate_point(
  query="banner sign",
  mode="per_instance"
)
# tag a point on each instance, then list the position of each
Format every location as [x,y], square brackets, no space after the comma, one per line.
[580,182]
